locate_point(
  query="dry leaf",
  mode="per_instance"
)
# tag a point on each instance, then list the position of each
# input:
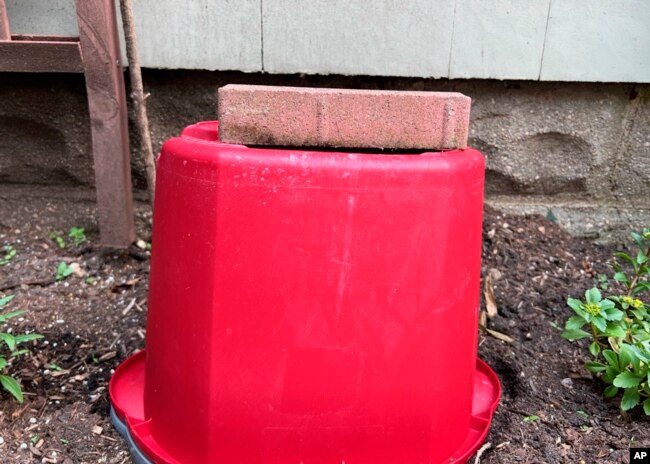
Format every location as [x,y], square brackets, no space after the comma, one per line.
[500,336]
[482,319]
[107,356]
[490,302]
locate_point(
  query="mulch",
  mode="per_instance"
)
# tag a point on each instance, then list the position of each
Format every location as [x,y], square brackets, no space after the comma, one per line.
[551,411]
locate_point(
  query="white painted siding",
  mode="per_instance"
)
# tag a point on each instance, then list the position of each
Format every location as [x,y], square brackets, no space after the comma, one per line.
[598,40]
[566,40]
[501,39]
[377,37]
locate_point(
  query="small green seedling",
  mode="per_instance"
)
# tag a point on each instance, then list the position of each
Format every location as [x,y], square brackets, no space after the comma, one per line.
[78,235]
[618,327]
[9,253]
[531,418]
[56,238]
[9,344]
[603,282]
[55,367]
[63,271]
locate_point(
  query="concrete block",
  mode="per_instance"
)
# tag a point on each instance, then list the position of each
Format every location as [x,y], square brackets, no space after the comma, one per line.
[296,116]
[369,37]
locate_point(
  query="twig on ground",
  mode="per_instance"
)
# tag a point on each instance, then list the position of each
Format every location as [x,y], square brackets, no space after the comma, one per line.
[480,452]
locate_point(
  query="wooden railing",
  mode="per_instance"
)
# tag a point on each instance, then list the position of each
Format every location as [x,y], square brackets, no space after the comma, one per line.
[95,53]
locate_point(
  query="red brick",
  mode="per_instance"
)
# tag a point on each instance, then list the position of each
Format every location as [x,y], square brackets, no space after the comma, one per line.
[307,117]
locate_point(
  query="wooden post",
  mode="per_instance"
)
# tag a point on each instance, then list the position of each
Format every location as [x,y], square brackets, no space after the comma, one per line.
[108,119]
[5,33]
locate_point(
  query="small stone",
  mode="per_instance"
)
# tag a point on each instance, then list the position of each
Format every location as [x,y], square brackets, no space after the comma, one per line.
[141,244]
[494,273]
[567,382]
[97,430]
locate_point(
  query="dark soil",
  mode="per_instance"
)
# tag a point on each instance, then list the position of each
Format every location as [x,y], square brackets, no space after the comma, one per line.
[95,318]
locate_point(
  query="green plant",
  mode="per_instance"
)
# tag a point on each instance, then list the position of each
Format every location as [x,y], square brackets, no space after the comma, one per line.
[11,343]
[618,327]
[78,235]
[56,238]
[9,253]
[63,271]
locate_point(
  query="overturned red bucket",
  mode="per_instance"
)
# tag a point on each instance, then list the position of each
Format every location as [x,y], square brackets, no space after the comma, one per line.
[310,307]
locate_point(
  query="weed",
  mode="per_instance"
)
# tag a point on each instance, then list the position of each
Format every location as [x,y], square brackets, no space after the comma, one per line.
[9,253]
[78,235]
[56,238]
[618,327]
[11,344]
[63,271]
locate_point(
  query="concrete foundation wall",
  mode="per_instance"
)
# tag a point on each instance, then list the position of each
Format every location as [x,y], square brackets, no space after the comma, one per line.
[581,150]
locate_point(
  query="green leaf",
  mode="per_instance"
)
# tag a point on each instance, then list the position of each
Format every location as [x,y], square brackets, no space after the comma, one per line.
[607,304]
[627,258]
[643,356]
[531,418]
[600,323]
[611,357]
[615,330]
[626,356]
[627,380]
[593,295]
[639,313]
[621,277]
[63,271]
[641,257]
[6,299]
[610,374]
[3,363]
[575,323]
[9,340]
[594,349]
[611,391]
[575,334]
[7,316]
[594,366]
[630,399]
[17,353]
[27,338]
[10,384]
[614,314]
[646,407]
[574,304]
[638,238]
[641,287]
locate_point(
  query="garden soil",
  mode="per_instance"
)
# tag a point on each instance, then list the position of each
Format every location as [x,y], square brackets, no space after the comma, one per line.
[552,410]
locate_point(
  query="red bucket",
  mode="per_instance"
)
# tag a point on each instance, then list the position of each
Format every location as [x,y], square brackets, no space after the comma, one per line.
[310,307]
